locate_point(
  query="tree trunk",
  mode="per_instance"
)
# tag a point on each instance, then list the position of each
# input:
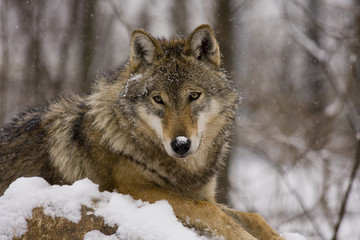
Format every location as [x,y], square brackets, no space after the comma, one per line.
[87,43]
[180,16]
[4,62]
[224,32]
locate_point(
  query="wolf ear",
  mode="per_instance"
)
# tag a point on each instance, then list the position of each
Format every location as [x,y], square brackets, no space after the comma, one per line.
[202,44]
[143,49]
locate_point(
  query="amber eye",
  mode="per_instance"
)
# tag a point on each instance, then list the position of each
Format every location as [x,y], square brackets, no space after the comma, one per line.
[194,95]
[158,99]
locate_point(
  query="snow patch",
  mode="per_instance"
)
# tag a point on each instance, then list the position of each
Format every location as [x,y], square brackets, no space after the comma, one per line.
[292,236]
[96,235]
[25,194]
[137,218]
[181,140]
[134,77]
[333,108]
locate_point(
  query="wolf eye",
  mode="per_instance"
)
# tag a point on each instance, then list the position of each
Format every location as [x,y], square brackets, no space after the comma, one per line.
[194,95]
[158,99]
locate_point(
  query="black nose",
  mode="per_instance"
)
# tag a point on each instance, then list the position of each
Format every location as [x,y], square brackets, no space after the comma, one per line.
[181,145]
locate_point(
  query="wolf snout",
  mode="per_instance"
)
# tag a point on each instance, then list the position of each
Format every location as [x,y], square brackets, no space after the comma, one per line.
[181,145]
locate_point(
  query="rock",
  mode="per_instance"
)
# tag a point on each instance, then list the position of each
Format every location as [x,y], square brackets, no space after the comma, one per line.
[41,226]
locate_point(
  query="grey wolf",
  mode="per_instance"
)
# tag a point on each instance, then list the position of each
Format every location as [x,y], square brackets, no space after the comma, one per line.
[156,128]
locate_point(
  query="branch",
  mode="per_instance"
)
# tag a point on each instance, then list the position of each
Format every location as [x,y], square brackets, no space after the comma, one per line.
[240,7]
[331,31]
[119,15]
[349,109]
[304,41]
[348,190]
[297,197]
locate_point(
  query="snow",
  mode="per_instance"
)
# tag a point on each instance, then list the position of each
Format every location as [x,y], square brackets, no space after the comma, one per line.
[95,235]
[135,219]
[292,236]
[333,108]
[134,77]
[181,140]
[25,194]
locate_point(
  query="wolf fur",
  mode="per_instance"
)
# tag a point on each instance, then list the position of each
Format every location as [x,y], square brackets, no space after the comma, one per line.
[156,128]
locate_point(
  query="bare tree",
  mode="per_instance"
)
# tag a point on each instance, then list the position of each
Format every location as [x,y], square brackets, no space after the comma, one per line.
[65,45]
[225,34]
[325,73]
[4,61]
[88,44]
[180,16]
[30,15]
[351,99]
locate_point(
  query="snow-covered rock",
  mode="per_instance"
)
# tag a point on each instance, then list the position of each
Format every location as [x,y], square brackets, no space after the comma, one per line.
[31,207]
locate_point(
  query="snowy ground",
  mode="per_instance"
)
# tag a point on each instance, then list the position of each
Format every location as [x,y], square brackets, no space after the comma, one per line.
[136,219]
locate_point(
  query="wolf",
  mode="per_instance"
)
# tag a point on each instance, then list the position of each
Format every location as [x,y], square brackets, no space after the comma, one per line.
[156,128]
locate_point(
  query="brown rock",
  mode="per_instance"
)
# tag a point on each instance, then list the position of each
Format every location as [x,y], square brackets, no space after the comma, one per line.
[41,226]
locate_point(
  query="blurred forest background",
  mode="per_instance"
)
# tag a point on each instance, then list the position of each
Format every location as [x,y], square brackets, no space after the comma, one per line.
[295,63]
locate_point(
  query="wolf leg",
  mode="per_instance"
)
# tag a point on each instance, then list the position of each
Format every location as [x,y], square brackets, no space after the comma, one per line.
[204,216]
[252,223]
[201,215]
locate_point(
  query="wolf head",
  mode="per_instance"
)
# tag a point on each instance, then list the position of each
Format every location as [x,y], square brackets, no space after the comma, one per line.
[177,90]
